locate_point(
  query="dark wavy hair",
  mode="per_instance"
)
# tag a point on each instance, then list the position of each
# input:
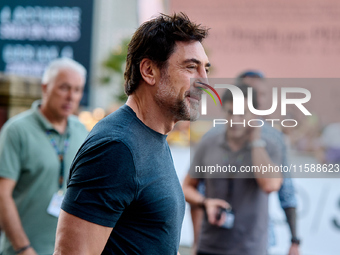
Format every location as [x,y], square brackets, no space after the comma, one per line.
[156,40]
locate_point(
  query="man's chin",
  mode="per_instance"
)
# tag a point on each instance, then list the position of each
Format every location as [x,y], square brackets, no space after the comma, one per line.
[194,115]
[238,135]
[66,113]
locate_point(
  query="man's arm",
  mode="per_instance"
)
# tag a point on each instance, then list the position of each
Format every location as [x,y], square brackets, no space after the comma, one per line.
[192,196]
[87,218]
[268,182]
[211,205]
[288,203]
[291,219]
[78,236]
[10,220]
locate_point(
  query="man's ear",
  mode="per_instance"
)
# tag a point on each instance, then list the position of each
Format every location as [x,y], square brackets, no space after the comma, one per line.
[44,89]
[149,71]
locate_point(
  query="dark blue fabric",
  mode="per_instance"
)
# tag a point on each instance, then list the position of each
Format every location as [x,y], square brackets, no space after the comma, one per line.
[123,177]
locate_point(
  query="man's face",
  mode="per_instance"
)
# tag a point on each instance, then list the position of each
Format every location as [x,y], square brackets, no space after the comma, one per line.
[62,94]
[262,92]
[176,93]
[237,131]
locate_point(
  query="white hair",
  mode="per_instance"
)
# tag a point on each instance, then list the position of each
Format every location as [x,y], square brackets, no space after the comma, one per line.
[58,64]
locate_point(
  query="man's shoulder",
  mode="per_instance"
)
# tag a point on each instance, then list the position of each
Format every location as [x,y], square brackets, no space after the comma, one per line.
[214,131]
[272,135]
[211,139]
[76,125]
[124,126]
[331,129]
[114,125]
[213,135]
[268,130]
[20,121]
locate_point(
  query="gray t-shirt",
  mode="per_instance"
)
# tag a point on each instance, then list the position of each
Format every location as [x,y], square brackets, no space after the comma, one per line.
[249,202]
[123,177]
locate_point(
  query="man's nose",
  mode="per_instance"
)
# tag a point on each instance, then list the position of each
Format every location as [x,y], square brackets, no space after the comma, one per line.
[200,84]
[71,95]
[235,117]
[203,73]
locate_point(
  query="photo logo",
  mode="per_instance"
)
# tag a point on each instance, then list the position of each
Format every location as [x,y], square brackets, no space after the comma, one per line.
[239,104]
[212,89]
[238,100]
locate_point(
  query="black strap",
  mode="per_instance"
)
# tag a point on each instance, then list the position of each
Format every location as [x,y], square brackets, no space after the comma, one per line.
[230,190]
[22,249]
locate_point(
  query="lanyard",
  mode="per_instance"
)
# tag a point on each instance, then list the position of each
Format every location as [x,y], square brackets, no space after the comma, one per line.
[61,155]
[230,190]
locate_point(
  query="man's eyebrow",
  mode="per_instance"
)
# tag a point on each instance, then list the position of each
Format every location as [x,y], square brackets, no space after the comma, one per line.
[196,61]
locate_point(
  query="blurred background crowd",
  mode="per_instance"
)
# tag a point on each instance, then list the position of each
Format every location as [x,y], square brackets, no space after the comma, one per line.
[285,40]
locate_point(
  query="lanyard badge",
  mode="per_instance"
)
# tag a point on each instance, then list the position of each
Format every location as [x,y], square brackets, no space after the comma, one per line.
[61,155]
[55,204]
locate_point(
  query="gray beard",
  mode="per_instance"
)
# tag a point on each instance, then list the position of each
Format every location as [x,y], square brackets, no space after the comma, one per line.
[167,99]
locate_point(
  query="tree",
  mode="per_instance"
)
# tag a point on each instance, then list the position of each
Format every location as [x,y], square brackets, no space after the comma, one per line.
[115,64]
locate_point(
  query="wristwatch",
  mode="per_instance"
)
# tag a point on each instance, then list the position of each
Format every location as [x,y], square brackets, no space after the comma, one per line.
[295,240]
[258,143]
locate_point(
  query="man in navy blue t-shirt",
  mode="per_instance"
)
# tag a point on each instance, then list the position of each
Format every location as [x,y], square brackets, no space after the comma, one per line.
[123,195]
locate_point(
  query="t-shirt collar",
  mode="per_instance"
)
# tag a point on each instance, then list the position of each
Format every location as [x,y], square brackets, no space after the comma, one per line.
[153,132]
[222,141]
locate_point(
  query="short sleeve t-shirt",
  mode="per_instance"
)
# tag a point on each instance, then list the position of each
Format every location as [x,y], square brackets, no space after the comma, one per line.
[28,157]
[123,177]
[248,236]
[330,139]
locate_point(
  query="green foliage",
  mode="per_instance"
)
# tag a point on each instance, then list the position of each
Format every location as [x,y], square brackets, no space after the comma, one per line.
[115,64]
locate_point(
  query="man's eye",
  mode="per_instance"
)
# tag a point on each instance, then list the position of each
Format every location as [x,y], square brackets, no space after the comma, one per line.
[207,70]
[191,67]
[64,87]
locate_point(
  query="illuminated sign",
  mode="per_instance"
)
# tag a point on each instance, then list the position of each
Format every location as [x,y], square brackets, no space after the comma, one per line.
[34,33]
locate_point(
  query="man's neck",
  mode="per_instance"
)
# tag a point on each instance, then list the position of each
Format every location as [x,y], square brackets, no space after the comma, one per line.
[59,124]
[150,113]
[235,144]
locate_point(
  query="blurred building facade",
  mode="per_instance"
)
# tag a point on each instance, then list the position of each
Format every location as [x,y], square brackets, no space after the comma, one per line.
[17,95]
